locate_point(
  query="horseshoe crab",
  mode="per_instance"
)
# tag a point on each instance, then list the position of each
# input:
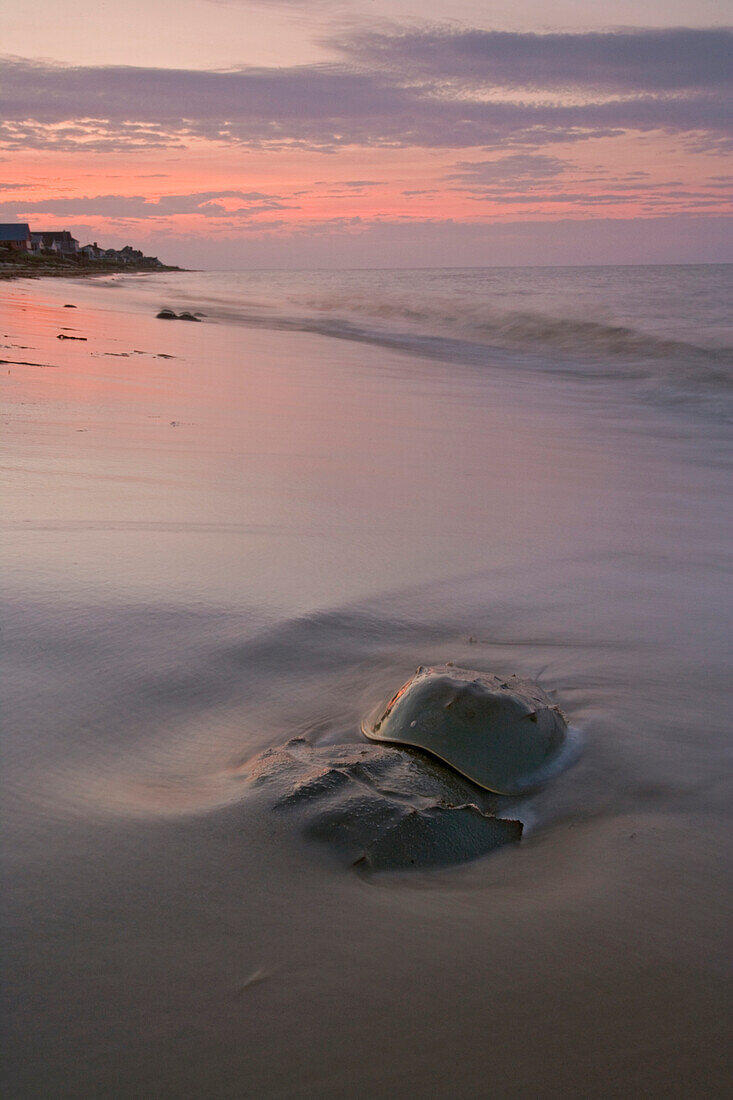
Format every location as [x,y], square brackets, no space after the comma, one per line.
[383,808]
[505,735]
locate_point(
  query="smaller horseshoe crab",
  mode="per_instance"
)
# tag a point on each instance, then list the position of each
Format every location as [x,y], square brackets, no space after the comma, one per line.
[506,735]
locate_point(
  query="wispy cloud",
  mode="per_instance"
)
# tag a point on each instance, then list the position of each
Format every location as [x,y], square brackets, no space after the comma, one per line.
[527,179]
[518,168]
[361,183]
[209,204]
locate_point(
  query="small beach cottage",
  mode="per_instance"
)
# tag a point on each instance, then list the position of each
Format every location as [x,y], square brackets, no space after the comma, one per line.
[92,252]
[15,237]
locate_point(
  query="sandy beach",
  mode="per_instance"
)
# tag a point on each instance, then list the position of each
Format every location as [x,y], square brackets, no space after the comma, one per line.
[224,535]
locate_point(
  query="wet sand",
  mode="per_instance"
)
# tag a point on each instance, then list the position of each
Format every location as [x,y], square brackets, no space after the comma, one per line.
[259,538]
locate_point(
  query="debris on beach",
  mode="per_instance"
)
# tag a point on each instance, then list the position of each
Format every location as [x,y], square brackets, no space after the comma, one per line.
[171,315]
[68,306]
[63,336]
[25,363]
[505,734]
[382,808]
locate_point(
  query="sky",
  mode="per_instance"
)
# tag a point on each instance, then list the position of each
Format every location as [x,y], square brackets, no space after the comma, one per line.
[239,134]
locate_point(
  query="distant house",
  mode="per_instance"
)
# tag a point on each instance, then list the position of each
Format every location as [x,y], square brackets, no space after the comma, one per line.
[92,252]
[55,242]
[16,237]
[130,255]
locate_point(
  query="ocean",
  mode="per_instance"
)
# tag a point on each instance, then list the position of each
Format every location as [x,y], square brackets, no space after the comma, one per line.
[221,536]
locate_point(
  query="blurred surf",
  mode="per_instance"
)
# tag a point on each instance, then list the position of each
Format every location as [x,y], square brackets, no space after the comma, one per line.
[663,332]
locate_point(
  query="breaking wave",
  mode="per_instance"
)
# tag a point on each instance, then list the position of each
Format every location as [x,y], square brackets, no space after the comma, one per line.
[665,329]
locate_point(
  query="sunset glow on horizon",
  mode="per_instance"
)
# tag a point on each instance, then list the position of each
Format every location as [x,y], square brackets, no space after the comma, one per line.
[368,139]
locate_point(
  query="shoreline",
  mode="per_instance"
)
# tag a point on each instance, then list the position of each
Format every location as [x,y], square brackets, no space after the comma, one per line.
[64,269]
